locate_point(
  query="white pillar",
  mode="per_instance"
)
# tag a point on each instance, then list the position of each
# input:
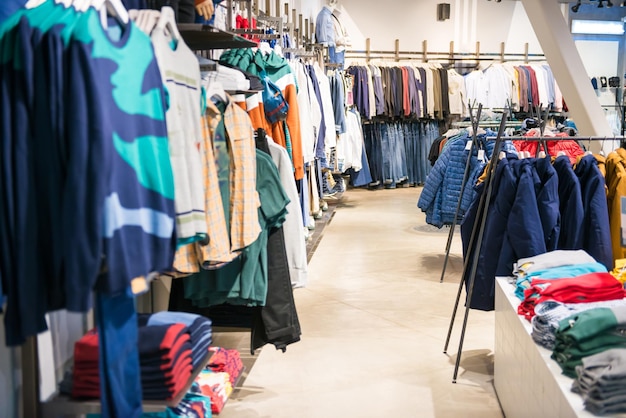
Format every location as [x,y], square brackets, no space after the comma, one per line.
[567,66]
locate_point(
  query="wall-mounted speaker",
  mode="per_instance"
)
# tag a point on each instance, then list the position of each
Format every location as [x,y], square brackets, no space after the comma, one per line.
[443,11]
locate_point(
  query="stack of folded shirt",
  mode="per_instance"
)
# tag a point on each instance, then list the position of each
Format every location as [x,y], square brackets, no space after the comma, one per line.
[227,361]
[601,380]
[164,359]
[199,328]
[591,287]
[229,78]
[587,333]
[550,313]
[217,386]
[557,264]
[193,405]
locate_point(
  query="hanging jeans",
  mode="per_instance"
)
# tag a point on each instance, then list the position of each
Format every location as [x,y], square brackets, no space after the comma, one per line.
[372,139]
[120,380]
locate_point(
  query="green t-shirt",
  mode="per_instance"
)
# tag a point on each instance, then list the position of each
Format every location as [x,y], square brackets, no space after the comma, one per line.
[244,280]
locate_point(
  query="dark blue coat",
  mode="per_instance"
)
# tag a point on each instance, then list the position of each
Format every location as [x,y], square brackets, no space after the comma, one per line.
[524,233]
[548,202]
[570,204]
[502,198]
[596,232]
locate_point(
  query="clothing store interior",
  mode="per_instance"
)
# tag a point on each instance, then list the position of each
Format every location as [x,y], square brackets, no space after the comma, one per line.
[374,209]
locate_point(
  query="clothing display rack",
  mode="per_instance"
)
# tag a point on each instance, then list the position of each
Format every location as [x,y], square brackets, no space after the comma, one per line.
[478,228]
[451,56]
[476,124]
[474,143]
[199,38]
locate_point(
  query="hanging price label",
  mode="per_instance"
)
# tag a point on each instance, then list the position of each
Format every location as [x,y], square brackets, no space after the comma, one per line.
[481,155]
[468,145]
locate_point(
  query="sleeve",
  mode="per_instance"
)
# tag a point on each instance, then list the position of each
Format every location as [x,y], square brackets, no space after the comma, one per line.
[88,161]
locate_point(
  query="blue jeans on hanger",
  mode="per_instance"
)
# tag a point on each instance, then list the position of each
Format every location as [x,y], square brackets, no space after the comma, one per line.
[401,166]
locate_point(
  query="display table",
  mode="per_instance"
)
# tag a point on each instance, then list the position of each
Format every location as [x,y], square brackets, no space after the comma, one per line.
[527,381]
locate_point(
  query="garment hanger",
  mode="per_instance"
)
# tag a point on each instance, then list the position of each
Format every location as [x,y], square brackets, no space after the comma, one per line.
[114,8]
[602,149]
[145,19]
[31,4]
[265,48]
[167,21]
[215,89]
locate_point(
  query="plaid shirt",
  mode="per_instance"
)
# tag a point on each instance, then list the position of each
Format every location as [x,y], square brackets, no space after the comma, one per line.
[244,199]
[244,228]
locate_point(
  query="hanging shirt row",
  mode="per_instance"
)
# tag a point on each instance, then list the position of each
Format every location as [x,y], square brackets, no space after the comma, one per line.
[430,91]
[116,168]
[522,87]
[408,91]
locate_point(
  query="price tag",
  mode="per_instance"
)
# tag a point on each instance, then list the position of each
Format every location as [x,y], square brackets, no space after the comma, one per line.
[468,145]
[481,155]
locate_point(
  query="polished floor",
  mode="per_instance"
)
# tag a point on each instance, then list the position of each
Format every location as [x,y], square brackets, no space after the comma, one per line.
[374,320]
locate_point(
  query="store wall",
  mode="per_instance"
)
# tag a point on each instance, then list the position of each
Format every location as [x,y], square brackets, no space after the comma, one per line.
[414,21]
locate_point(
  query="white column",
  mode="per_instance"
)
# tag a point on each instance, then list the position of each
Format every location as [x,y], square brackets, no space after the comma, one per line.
[567,66]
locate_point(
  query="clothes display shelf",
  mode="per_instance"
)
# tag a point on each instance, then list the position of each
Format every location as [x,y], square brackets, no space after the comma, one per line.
[204,37]
[61,405]
[527,381]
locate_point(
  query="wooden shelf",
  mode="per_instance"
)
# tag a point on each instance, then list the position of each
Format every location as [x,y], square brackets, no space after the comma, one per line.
[205,37]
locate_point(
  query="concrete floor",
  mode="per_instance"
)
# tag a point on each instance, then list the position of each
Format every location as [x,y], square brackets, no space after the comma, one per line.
[374,321]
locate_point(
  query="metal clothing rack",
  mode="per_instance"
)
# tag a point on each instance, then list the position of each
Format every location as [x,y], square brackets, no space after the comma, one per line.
[475,124]
[473,143]
[451,56]
[478,228]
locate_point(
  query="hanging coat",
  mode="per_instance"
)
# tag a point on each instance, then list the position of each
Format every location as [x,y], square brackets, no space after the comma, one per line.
[595,227]
[524,233]
[570,205]
[548,202]
[616,184]
[502,198]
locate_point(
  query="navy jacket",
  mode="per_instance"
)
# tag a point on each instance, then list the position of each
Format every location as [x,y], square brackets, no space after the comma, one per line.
[596,232]
[570,205]
[548,202]
[502,198]
[524,234]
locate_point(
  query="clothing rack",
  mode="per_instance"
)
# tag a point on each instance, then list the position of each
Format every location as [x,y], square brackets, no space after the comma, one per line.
[474,143]
[451,56]
[479,226]
[475,124]
[482,209]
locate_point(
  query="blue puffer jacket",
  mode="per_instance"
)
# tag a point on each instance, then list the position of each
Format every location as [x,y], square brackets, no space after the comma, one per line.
[440,195]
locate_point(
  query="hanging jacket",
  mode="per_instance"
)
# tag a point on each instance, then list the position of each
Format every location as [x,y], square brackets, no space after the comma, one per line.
[524,233]
[440,196]
[569,147]
[570,205]
[286,133]
[616,183]
[548,202]
[595,227]
[502,198]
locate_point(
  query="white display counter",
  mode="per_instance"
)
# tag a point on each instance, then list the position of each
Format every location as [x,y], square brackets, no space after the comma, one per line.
[528,382]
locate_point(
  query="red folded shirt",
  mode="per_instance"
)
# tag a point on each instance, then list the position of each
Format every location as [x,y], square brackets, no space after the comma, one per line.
[228,361]
[591,287]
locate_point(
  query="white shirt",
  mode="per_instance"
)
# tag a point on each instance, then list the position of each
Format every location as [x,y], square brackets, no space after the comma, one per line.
[295,245]
[180,72]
